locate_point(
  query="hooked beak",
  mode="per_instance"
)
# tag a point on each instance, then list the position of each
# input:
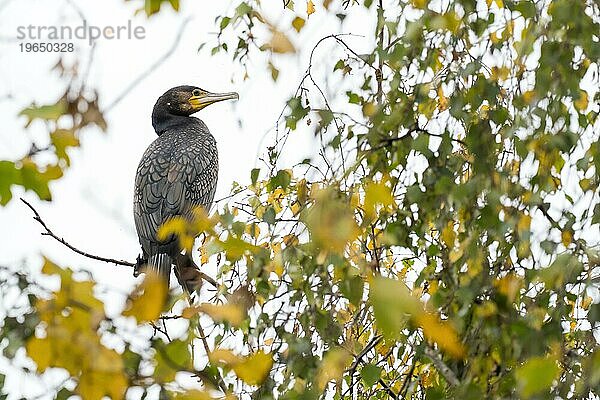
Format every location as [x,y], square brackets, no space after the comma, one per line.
[207,98]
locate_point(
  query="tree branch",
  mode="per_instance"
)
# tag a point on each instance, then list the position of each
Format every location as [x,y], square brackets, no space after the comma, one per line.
[441,366]
[135,265]
[48,232]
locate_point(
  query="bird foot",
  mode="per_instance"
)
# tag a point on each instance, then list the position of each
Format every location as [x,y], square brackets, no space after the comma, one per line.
[140,264]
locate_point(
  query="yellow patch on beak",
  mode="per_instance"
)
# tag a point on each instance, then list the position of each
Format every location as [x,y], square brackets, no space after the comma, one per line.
[207,98]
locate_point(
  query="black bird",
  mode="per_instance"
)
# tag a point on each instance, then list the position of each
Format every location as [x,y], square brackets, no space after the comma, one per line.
[177,173]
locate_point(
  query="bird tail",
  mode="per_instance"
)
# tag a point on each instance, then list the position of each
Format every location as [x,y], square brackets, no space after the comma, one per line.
[161,264]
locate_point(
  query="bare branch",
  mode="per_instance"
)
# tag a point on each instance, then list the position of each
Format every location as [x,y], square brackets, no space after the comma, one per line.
[49,232]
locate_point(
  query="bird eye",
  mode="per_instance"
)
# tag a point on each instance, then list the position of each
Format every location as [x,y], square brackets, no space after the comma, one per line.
[196,92]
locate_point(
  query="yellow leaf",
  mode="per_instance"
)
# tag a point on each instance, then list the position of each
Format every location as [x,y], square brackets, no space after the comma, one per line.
[302,191]
[310,8]
[442,100]
[224,356]
[581,104]
[448,235]
[232,313]
[509,286]
[204,256]
[586,302]
[585,184]
[38,351]
[254,369]
[442,333]
[194,395]
[180,227]
[148,300]
[524,224]
[280,43]
[529,96]
[331,221]
[333,366]
[298,23]
[377,194]
[566,237]
[369,109]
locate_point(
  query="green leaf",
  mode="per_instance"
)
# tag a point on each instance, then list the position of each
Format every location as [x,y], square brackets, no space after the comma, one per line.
[353,98]
[9,175]
[153,6]
[282,179]
[370,374]
[254,175]
[33,178]
[536,376]
[62,139]
[352,288]
[339,65]
[50,112]
[526,8]
[170,359]
[269,215]
[387,295]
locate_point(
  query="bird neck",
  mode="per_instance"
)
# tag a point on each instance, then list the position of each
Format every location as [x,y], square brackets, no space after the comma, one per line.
[163,121]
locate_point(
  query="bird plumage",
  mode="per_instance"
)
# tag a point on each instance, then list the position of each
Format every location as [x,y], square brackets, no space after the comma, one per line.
[177,173]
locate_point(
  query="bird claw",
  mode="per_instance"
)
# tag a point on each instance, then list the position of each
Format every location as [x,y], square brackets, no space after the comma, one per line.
[140,263]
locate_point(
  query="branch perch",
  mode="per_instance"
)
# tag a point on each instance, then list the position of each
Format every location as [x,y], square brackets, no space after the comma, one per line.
[49,232]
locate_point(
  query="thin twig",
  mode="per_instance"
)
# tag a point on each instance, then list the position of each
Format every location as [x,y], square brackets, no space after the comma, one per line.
[379,71]
[48,232]
[441,366]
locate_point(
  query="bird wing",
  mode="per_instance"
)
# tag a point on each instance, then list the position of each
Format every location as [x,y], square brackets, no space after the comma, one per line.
[170,183]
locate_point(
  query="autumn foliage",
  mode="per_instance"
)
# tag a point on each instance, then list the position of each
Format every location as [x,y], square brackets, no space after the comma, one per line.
[442,242]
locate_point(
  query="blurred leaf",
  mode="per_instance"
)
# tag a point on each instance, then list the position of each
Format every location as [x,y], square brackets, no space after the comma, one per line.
[279,43]
[377,194]
[153,6]
[331,221]
[370,374]
[232,313]
[171,358]
[50,112]
[389,294]
[9,175]
[148,300]
[255,368]
[536,376]
[334,363]
[62,139]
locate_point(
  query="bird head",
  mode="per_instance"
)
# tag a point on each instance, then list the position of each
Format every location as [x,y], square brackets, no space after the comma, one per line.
[186,100]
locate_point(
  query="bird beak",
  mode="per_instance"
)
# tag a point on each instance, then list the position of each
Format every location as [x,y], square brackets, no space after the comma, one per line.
[199,102]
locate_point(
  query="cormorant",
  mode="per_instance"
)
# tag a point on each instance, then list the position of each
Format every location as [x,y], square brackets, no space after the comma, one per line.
[177,173]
